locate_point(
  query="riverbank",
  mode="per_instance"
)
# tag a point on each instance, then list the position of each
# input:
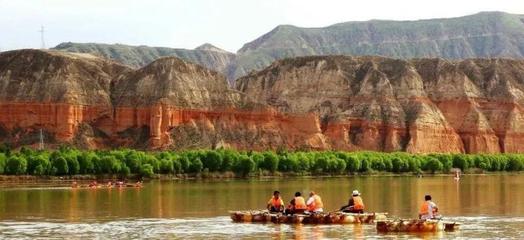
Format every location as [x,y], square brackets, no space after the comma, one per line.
[66,181]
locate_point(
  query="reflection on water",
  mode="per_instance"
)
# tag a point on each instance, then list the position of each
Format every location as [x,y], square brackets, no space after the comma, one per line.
[222,228]
[488,206]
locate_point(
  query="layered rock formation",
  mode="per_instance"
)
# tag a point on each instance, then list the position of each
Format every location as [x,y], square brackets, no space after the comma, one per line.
[52,91]
[324,102]
[426,105]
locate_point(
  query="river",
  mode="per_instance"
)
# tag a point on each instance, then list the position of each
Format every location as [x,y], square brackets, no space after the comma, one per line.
[488,206]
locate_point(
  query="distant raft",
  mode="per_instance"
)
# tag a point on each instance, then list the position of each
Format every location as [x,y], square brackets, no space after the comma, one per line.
[313,218]
[415,225]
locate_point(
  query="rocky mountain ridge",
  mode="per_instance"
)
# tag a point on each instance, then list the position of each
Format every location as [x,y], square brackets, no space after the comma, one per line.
[482,35]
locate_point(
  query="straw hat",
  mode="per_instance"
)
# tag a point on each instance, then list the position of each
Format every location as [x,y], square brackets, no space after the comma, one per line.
[355,193]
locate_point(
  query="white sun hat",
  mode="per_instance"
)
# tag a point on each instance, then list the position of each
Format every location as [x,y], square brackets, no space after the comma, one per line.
[355,193]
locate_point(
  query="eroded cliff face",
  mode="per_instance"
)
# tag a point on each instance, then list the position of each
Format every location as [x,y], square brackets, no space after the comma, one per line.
[426,105]
[52,91]
[326,102]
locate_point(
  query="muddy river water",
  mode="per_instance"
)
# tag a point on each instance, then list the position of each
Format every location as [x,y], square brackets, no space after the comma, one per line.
[490,206]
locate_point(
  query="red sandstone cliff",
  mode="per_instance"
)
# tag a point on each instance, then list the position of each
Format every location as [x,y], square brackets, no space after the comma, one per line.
[425,105]
[335,102]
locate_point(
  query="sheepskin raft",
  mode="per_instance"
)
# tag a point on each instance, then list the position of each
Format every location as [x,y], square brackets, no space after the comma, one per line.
[313,218]
[415,225]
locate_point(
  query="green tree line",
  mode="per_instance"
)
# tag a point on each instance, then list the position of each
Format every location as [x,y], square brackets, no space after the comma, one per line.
[125,162]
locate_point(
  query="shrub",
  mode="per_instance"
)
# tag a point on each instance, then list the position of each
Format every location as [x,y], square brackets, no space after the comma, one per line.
[212,161]
[177,166]
[244,166]
[304,162]
[73,165]
[16,165]
[414,164]
[196,166]
[184,163]
[515,163]
[461,161]
[321,164]
[353,164]
[59,165]
[108,165]
[38,165]
[229,159]
[446,160]
[146,170]
[85,162]
[270,161]
[2,163]
[336,165]
[433,165]
[125,170]
[133,160]
[166,166]
[366,165]
[288,163]
[399,165]
[153,161]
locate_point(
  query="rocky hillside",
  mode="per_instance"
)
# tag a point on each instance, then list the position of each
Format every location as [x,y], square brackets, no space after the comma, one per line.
[486,34]
[384,104]
[206,55]
[322,102]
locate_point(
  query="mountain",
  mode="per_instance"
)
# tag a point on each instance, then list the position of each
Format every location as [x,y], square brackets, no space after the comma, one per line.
[206,55]
[315,102]
[486,34]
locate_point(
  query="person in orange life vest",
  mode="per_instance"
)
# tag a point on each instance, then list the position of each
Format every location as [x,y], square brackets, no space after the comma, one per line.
[297,205]
[275,203]
[355,204]
[428,210]
[314,203]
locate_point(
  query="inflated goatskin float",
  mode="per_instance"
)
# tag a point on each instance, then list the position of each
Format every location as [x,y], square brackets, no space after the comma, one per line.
[265,216]
[415,225]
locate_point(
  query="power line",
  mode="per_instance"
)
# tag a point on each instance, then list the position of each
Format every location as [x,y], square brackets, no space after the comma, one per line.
[42,31]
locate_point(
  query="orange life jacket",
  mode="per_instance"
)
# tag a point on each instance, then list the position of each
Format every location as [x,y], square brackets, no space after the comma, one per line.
[316,204]
[276,202]
[300,203]
[424,209]
[358,204]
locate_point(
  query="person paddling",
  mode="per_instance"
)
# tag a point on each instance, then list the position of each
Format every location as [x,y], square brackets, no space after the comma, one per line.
[355,204]
[428,210]
[275,203]
[314,203]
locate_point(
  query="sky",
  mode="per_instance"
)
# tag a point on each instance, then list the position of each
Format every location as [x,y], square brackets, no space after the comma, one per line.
[227,24]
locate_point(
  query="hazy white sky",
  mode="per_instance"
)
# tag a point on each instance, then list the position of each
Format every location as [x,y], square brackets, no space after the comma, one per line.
[188,23]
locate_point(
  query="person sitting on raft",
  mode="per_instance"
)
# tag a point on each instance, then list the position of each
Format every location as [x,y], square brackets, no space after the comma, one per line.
[275,203]
[355,204]
[314,203]
[297,205]
[428,210]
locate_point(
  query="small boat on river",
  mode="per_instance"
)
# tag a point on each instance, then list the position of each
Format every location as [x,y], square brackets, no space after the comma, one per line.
[264,216]
[415,226]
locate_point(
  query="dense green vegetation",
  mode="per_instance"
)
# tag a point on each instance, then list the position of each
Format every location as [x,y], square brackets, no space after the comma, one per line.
[125,162]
